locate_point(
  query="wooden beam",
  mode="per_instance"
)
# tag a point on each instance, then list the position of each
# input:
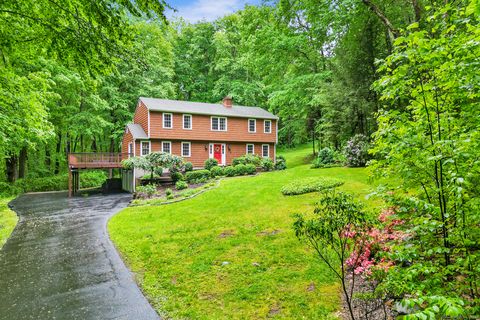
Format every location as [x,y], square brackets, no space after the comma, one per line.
[69,182]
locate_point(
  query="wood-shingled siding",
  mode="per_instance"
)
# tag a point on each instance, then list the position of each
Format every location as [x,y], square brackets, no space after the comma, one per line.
[237,129]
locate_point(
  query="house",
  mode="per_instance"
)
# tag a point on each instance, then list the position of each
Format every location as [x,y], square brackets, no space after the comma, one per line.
[199,131]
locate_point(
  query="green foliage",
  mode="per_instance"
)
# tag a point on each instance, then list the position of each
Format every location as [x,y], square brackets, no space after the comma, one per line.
[197,176]
[240,169]
[334,215]
[301,186]
[210,163]
[280,163]
[188,166]
[267,164]
[177,176]
[168,192]
[251,168]
[180,185]
[147,191]
[230,171]
[428,139]
[248,159]
[158,171]
[216,171]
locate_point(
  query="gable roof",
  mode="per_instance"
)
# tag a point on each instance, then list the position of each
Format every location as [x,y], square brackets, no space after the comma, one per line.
[213,109]
[137,131]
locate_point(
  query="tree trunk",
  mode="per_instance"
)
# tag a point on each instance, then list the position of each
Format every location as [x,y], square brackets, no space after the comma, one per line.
[57,154]
[11,167]
[22,163]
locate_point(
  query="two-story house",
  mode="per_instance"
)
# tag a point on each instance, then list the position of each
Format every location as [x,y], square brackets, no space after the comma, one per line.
[199,131]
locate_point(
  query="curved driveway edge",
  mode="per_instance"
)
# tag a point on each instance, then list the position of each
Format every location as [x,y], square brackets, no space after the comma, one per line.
[59,262]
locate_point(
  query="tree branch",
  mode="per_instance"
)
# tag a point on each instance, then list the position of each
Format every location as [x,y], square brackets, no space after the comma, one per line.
[382,17]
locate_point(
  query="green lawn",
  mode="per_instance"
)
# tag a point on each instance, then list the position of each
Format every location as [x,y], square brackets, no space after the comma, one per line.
[231,253]
[8,220]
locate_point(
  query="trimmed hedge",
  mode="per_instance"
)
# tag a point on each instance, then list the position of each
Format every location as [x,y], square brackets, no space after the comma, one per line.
[230,171]
[250,168]
[247,159]
[216,172]
[188,166]
[210,163]
[267,164]
[197,176]
[240,169]
[310,185]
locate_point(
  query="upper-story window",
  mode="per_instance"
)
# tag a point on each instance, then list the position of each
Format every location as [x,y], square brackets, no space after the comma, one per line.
[167,120]
[252,125]
[267,126]
[265,150]
[250,148]
[219,124]
[187,121]
[166,146]
[145,147]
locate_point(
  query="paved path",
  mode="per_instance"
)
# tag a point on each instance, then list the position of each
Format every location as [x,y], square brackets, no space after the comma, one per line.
[60,264]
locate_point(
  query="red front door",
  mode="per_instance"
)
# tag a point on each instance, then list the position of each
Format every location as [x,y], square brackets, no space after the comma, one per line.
[217,152]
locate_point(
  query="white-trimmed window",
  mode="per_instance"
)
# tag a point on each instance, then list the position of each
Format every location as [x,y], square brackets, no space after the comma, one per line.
[265,150]
[167,120]
[145,147]
[186,149]
[187,121]
[167,146]
[267,126]
[252,125]
[250,148]
[219,124]
[130,149]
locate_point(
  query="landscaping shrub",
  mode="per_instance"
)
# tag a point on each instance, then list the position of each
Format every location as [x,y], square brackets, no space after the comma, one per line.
[230,171]
[356,151]
[280,163]
[158,171]
[168,192]
[8,189]
[210,163]
[145,191]
[251,168]
[216,172]
[188,166]
[177,176]
[310,185]
[240,169]
[247,159]
[267,164]
[328,158]
[92,179]
[180,185]
[197,176]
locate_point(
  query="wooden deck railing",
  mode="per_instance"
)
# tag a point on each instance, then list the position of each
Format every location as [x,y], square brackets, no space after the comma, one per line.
[96,160]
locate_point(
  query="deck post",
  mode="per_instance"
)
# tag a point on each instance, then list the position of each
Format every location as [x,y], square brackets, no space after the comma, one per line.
[69,182]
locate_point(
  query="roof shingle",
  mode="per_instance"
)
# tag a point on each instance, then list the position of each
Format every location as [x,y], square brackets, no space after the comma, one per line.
[137,131]
[214,109]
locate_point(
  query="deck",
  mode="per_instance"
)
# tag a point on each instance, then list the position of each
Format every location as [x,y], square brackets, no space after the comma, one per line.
[96,160]
[91,160]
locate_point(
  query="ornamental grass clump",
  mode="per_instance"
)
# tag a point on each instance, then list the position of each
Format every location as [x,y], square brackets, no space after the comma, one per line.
[310,185]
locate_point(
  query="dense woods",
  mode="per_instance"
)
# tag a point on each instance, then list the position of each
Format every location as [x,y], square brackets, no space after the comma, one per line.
[402,73]
[72,77]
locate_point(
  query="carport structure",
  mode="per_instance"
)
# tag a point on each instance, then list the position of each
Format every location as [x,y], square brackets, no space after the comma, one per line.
[91,160]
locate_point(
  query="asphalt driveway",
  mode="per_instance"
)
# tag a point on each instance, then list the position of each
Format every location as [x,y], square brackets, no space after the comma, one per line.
[60,264]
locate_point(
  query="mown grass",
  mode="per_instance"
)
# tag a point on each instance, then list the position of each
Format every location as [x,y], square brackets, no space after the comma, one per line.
[8,220]
[231,253]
